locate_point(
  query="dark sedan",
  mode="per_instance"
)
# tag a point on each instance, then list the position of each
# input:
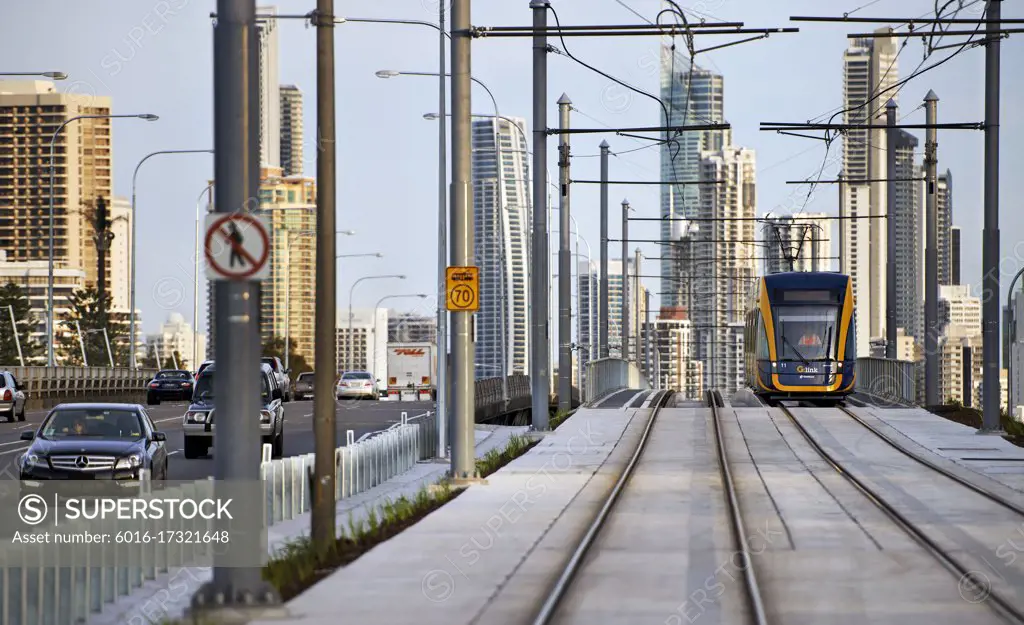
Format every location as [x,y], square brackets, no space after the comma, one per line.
[170,384]
[111,442]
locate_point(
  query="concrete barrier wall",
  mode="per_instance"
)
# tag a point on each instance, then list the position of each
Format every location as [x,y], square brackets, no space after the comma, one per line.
[607,375]
[46,387]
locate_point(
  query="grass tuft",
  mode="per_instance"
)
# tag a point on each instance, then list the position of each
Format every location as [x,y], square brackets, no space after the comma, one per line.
[495,459]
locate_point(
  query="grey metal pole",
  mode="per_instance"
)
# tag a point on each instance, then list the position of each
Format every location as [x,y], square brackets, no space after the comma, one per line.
[110,354]
[236,170]
[602,313]
[647,337]
[14,329]
[637,355]
[325,356]
[1011,406]
[890,255]
[442,246]
[624,326]
[540,381]
[463,465]
[81,343]
[564,263]
[195,283]
[931,258]
[990,236]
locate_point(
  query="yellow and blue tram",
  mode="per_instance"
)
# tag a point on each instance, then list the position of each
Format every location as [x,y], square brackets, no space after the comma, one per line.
[800,337]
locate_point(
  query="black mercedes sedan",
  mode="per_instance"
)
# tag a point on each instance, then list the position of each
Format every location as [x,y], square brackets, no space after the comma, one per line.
[93,442]
[173,384]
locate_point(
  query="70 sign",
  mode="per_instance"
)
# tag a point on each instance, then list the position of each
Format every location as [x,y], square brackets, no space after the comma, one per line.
[463,288]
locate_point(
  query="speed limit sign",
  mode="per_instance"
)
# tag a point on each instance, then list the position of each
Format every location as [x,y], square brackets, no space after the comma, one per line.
[463,287]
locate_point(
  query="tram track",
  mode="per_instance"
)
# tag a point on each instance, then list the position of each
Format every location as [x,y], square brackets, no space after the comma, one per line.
[553,601]
[1005,608]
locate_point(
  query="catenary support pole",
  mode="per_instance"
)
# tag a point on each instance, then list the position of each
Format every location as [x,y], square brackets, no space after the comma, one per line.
[647,338]
[463,464]
[442,244]
[991,391]
[564,263]
[931,259]
[325,367]
[890,210]
[624,324]
[540,372]
[602,313]
[637,354]
[236,170]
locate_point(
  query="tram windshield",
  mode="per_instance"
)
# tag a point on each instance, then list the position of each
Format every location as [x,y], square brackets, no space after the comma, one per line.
[806,333]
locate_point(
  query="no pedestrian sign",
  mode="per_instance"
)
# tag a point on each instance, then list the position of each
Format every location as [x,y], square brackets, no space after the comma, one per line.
[463,289]
[237,247]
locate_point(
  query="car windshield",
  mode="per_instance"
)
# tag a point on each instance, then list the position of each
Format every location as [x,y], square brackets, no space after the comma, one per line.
[204,386]
[270,361]
[306,376]
[806,332]
[93,423]
[358,375]
[172,375]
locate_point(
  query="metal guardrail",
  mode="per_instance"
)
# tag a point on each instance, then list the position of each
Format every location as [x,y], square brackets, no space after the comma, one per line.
[607,375]
[48,386]
[895,380]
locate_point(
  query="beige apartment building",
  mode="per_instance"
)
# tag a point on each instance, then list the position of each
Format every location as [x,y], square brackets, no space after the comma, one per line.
[30,112]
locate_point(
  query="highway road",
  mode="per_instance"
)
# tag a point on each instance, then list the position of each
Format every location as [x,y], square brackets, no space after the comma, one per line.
[359,416]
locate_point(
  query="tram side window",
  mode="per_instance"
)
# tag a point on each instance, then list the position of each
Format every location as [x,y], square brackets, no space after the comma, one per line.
[851,339]
[762,340]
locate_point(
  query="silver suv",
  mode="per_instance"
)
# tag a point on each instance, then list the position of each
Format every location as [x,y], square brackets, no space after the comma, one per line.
[12,397]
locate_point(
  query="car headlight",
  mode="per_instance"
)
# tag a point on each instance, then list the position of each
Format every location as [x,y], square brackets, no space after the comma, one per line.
[265,416]
[130,462]
[195,417]
[33,460]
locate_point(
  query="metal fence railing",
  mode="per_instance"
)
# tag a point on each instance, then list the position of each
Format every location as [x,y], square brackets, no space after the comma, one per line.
[894,380]
[48,386]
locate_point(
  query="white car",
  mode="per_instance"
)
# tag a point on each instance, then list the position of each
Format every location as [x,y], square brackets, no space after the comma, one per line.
[357,384]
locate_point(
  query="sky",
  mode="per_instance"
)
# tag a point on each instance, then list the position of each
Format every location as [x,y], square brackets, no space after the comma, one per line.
[156,57]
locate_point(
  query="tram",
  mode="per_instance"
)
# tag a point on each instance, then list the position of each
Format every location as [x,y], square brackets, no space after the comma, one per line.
[800,337]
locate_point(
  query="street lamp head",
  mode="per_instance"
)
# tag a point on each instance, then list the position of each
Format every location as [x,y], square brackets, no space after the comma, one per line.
[431,116]
[400,277]
[379,255]
[388,73]
[149,117]
[55,75]
[348,232]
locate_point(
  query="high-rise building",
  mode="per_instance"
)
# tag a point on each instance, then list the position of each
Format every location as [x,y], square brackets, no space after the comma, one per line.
[32,276]
[501,214]
[727,247]
[588,292]
[369,345]
[944,224]
[176,335]
[30,113]
[692,95]
[269,86]
[854,208]
[870,69]
[960,342]
[411,328]
[958,307]
[291,130]
[120,253]
[288,296]
[908,222]
[954,255]
[673,340]
[615,306]
[793,242]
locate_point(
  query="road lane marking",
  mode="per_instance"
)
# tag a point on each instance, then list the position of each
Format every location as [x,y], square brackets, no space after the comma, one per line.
[11,451]
[22,427]
[179,417]
[176,451]
[18,442]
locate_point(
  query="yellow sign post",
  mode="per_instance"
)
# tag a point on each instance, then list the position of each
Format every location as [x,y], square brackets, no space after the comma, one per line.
[463,287]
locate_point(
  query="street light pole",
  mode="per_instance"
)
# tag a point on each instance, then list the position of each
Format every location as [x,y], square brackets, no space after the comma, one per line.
[350,357]
[131,270]
[50,75]
[51,360]
[602,337]
[564,264]
[624,324]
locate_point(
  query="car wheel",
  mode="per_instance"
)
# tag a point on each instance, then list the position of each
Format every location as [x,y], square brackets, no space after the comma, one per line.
[152,400]
[21,415]
[10,416]
[195,447]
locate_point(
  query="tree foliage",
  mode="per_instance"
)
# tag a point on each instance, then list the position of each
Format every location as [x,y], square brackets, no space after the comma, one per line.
[297,363]
[170,360]
[84,308]
[14,296]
